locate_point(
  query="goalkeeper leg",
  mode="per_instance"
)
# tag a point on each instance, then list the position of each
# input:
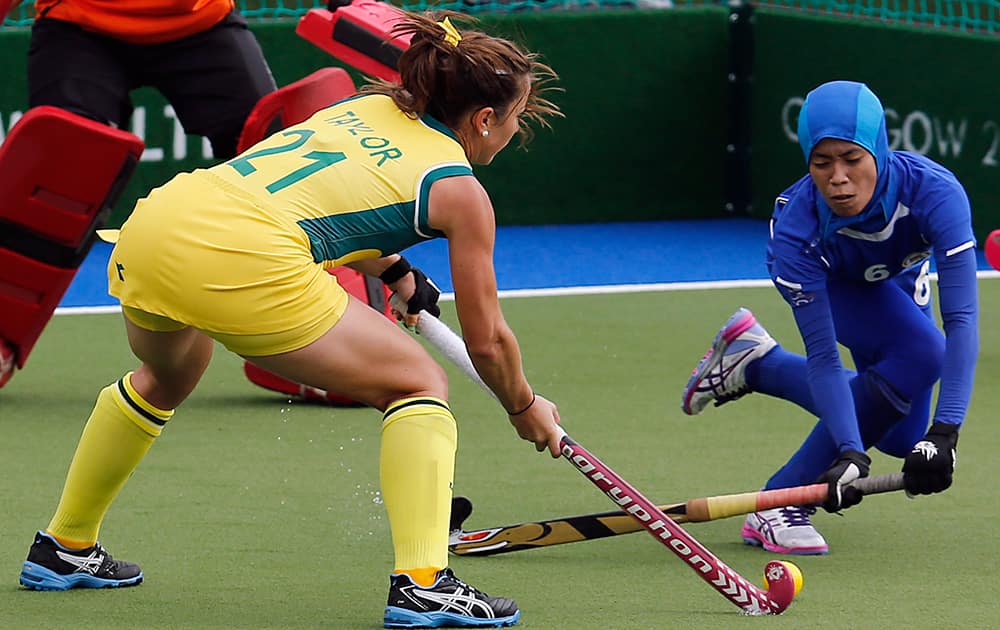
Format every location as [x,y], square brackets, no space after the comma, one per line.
[52,203]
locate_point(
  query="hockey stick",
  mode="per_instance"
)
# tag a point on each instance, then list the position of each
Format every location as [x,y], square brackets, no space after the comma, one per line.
[558,531]
[730,584]
[751,599]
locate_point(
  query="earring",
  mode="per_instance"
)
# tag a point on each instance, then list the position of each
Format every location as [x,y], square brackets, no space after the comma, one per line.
[485,132]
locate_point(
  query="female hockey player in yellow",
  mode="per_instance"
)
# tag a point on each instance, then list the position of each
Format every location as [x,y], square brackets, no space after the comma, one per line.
[236,254]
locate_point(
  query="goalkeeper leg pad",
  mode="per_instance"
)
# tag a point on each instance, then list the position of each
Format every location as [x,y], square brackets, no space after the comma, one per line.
[60,175]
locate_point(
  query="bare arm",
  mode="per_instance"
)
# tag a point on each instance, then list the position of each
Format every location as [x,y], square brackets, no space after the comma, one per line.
[462,210]
[490,341]
[373,266]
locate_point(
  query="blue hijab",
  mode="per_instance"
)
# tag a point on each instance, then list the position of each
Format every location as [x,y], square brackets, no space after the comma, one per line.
[847,110]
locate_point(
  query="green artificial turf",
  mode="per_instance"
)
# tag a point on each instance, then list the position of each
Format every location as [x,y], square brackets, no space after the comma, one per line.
[253,511]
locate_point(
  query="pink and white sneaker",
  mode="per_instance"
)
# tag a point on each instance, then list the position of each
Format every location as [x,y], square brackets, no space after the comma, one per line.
[784,530]
[8,361]
[720,376]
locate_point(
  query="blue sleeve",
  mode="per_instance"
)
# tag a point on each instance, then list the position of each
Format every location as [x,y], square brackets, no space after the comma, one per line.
[958,297]
[947,219]
[828,380]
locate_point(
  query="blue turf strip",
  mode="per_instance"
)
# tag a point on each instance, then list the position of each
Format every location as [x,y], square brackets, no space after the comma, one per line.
[549,256]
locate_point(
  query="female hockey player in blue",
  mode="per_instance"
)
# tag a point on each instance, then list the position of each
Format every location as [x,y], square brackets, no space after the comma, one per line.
[850,250]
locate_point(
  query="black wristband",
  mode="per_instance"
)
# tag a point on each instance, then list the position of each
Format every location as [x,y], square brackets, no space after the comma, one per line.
[395,271]
[517,413]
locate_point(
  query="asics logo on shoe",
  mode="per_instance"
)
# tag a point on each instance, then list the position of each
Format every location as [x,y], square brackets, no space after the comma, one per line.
[784,530]
[460,601]
[926,448]
[89,564]
[719,378]
[717,381]
[720,375]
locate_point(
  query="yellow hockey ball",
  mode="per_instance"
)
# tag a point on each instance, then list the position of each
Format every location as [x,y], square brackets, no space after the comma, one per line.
[792,569]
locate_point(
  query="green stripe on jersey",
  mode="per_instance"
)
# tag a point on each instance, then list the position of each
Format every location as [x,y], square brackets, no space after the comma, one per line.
[387,229]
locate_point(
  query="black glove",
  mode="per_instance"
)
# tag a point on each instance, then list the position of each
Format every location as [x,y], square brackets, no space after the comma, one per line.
[849,466]
[425,296]
[929,466]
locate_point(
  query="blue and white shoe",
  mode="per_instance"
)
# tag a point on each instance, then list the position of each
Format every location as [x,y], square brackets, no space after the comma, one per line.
[448,603]
[52,567]
[720,376]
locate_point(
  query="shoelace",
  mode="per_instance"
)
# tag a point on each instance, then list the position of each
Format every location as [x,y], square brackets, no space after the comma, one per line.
[449,575]
[797,516]
[739,392]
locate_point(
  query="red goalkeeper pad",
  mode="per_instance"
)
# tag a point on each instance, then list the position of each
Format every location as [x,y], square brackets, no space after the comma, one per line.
[269,380]
[294,103]
[60,175]
[367,289]
[5,6]
[359,34]
[57,171]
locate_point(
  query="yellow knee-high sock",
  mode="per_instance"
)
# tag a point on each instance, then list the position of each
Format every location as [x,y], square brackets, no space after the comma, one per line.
[419,438]
[119,432]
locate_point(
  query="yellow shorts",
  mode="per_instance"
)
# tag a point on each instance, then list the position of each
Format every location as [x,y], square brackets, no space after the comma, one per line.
[197,252]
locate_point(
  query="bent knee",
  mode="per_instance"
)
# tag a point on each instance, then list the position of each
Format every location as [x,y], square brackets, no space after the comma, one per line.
[421,378]
[921,370]
[915,366]
[434,379]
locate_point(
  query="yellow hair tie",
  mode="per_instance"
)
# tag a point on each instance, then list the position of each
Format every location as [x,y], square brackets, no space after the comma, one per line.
[451,34]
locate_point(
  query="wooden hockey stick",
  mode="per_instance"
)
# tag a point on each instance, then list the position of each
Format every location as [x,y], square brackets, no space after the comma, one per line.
[569,529]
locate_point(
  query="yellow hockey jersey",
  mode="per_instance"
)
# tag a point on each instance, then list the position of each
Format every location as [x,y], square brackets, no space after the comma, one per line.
[355,177]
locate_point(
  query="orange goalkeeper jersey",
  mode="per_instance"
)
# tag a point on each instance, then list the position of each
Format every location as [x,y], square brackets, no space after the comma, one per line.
[138,21]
